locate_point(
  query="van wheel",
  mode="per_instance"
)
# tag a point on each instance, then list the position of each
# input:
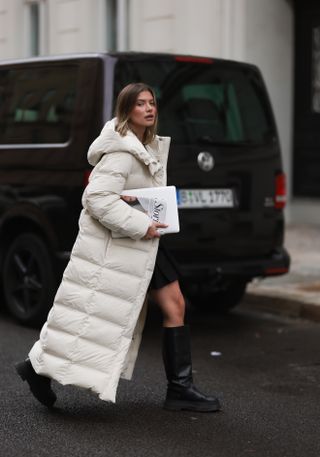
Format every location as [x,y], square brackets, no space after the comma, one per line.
[229,295]
[28,279]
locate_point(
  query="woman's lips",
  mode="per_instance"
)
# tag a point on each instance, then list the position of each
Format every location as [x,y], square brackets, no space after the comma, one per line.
[149,118]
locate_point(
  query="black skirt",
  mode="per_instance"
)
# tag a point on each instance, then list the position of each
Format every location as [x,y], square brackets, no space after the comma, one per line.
[165,270]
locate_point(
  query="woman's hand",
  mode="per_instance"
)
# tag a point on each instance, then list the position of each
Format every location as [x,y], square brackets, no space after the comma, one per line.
[128,198]
[153,231]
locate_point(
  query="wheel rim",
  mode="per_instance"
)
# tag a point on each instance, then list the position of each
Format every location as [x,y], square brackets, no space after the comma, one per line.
[24,283]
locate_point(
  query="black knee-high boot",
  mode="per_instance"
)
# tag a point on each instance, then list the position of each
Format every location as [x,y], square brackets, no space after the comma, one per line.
[181,393]
[40,386]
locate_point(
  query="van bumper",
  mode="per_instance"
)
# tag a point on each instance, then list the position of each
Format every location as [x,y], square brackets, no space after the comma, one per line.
[278,263]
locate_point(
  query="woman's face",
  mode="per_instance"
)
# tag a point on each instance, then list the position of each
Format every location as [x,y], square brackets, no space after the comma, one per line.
[144,111]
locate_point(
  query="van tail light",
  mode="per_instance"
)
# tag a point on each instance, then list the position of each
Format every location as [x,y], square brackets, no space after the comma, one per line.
[86,177]
[280,198]
[194,59]
[274,271]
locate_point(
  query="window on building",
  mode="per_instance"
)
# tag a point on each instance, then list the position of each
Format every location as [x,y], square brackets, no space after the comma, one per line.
[117,25]
[111,22]
[37,104]
[34,28]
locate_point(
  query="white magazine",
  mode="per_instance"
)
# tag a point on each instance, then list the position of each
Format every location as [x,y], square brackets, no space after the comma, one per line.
[160,203]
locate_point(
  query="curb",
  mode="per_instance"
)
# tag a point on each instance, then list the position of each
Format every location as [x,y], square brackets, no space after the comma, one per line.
[282,305]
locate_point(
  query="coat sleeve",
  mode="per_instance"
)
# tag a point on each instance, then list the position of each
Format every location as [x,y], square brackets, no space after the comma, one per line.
[102,200]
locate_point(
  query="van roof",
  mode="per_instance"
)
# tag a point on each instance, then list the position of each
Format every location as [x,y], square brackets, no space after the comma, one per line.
[130,55]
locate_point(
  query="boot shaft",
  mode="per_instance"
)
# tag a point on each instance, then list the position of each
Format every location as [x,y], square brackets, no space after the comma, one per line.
[176,353]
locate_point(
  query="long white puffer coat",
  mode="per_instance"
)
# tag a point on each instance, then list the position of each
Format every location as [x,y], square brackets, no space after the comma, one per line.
[93,331]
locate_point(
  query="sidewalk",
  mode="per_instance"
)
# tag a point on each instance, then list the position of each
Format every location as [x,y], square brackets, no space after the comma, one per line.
[297,293]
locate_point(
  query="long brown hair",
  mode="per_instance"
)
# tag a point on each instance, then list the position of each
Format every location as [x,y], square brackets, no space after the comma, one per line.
[125,103]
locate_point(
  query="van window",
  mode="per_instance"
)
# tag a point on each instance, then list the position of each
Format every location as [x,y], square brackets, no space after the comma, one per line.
[200,102]
[37,104]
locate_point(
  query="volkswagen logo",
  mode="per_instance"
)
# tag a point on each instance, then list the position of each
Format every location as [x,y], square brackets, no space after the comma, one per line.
[205,161]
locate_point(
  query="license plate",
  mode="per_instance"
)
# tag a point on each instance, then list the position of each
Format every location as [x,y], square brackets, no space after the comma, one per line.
[205,198]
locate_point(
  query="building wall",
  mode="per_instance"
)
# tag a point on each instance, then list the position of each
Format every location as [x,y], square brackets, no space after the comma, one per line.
[269,43]
[71,26]
[66,26]
[11,35]
[206,27]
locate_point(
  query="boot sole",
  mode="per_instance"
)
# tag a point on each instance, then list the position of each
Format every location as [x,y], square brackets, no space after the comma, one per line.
[22,371]
[176,405]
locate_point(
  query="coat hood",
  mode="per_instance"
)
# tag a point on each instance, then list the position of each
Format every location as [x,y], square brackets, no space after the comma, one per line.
[111,141]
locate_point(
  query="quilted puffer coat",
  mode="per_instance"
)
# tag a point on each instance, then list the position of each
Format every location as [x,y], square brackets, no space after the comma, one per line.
[93,330]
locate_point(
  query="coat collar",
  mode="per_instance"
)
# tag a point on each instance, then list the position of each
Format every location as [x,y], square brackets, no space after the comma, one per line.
[154,155]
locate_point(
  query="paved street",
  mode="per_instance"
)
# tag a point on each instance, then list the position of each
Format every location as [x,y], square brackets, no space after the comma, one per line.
[268,370]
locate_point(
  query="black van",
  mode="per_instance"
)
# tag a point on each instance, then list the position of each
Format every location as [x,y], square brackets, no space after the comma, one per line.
[225,162]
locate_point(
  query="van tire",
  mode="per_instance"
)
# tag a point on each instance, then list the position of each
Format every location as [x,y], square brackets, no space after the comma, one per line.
[222,300]
[28,279]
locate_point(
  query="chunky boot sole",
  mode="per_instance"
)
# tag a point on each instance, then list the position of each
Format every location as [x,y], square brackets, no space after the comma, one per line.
[24,373]
[185,405]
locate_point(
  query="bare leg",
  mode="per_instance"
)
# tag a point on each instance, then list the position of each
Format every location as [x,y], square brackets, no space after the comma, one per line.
[172,304]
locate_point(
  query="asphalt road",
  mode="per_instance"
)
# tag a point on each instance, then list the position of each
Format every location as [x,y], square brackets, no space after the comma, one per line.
[268,371]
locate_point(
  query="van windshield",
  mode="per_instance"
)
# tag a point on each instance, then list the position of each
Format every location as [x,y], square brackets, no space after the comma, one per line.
[207,103]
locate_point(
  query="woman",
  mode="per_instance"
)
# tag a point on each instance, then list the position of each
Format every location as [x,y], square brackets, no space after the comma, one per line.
[93,331]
